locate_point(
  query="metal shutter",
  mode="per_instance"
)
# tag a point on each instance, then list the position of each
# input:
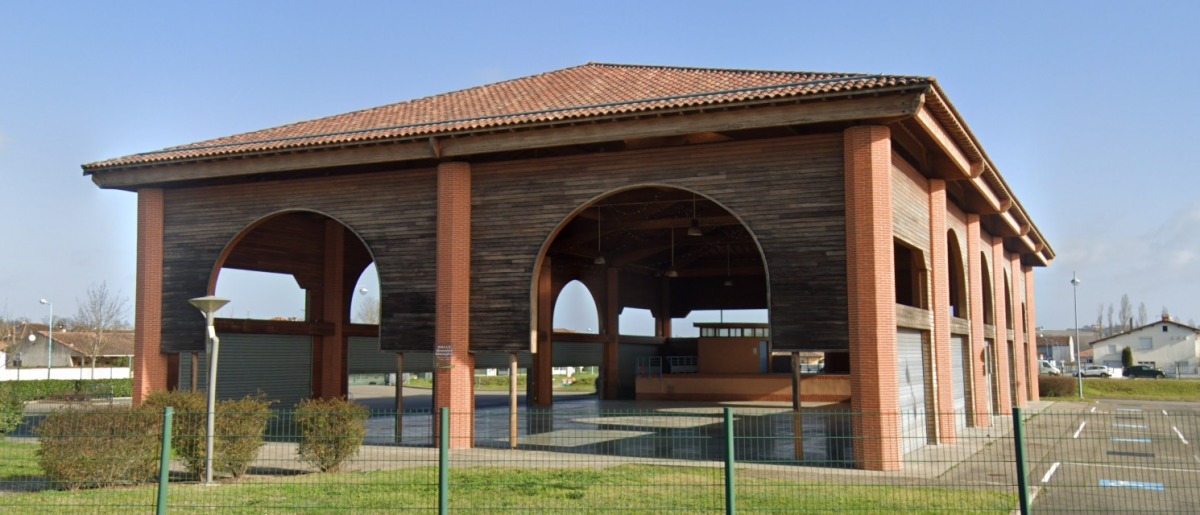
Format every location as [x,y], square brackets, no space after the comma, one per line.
[911,379]
[989,371]
[366,358]
[960,364]
[499,360]
[575,354]
[1012,373]
[278,366]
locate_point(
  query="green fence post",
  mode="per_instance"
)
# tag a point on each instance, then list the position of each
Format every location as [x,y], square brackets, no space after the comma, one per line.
[444,462]
[730,499]
[1022,468]
[164,464]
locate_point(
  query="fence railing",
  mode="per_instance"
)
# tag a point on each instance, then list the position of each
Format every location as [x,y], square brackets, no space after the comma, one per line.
[1063,458]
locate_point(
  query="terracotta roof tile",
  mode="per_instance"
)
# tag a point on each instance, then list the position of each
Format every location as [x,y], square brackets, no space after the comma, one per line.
[589,91]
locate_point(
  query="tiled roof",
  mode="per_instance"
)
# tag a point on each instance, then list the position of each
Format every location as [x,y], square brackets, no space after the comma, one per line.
[116,343]
[572,94]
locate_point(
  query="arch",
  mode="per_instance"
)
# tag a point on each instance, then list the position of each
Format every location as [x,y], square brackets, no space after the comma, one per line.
[1008,303]
[989,298]
[577,297]
[959,303]
[661,248]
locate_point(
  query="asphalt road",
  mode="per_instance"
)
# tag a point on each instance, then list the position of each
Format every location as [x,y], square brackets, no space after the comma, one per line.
[1117,457]
[383,398]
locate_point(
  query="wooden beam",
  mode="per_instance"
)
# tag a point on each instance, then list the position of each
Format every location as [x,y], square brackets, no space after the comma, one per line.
[926,121]
[885,107]
[280,327]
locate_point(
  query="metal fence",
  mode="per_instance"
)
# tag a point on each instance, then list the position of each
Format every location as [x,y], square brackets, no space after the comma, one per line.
[1050,458]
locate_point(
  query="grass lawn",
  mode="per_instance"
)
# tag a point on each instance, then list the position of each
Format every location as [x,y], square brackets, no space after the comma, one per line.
[1139,389]
[627,488]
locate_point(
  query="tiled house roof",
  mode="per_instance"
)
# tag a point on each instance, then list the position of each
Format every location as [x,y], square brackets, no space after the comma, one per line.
[116,343]
[570,95]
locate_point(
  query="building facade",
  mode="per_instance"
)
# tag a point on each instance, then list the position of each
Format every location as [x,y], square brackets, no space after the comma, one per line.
[858,210]
[1164,344]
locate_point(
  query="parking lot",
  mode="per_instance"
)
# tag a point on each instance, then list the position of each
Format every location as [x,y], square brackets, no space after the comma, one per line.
[1116,456]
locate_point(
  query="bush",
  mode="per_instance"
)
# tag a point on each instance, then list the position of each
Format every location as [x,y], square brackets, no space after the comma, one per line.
[331,431]
[99,447]
[239,428]
[41,389]
[12,411]
[1058,386]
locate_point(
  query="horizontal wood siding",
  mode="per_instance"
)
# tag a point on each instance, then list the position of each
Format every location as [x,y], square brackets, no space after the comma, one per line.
[788,191]
[394,214]
[910,207]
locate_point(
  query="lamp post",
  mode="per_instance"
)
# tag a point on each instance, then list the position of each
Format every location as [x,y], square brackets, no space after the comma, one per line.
[50,339]
[1078,364]
[209,306]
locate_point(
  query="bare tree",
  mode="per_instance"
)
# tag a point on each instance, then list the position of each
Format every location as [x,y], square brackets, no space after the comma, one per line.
[1100,319]
[368,311]
[99,314]
[1111,326]
[1143,316]
[1125,313]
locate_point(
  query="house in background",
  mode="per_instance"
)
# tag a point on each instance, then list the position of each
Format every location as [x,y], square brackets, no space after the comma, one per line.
[1059,349]
[71,349]
[1165,344]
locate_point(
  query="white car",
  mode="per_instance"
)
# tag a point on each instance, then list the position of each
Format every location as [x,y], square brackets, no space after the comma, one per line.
[1096,371]
[1047,368]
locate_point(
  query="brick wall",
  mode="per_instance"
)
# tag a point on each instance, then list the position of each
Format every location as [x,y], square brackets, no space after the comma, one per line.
[150,365]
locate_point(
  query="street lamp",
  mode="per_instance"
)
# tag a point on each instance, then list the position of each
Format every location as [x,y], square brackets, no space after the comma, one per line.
[209,306]
[50,339]
[1078,364]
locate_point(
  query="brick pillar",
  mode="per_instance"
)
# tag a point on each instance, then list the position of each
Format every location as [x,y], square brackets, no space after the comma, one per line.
[1031,332]
[871,281]
[149,363]
[1002,373]
[981,416]
[612,349]
[939,260]
[454,372]
[333,370]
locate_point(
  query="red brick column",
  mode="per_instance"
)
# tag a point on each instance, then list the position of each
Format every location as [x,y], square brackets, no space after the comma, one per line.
[981,416]
[1019,365]
[454,372]
[1031,335]
[939,260]
[149,363]
[1002,365]
[872,304]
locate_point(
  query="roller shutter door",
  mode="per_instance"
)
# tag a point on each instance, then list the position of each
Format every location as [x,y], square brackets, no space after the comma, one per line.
[911,379]
[278,366]
[1012,373]
[574,354]
[989,371]
[366,358]
[960,365]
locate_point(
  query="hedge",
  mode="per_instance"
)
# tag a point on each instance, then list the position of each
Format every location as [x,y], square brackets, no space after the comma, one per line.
[92,448]
[44,388]
[239,427]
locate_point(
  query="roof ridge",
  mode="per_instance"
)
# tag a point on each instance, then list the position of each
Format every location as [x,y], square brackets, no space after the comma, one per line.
[838,78]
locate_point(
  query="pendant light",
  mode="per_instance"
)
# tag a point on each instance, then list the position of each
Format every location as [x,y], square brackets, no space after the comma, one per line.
[671,272]
[599,253]
[694,228]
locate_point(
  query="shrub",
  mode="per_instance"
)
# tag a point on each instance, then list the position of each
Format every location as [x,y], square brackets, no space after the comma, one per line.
[331,431]
[99,447]
[12,411]
[239,427]
[1058,386]
[41,389]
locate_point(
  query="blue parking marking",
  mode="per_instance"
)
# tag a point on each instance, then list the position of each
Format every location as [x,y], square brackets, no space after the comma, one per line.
[1129,426]
[1131,440]
[1158,487]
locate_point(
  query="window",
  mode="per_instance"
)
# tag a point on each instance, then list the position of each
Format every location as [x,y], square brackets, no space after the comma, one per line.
[1145,343]
[1164,328]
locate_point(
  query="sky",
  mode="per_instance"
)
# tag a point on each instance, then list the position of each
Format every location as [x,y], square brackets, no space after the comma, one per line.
[1087,108]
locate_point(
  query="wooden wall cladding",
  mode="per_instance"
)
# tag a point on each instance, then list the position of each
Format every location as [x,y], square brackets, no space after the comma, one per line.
[394,213]
[788,191]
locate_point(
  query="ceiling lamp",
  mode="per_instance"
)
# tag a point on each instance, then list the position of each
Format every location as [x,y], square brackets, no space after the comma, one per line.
[728,279]
[671,272]
[599,254]
[694,228]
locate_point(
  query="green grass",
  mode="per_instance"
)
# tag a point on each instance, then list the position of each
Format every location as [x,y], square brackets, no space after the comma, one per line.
[627,488]
[1137,389]
[18,461]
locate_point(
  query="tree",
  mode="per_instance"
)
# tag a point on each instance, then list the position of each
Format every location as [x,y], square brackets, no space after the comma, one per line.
[1100,319]
[1127,357]
[1111,326]
[1143,317]
[1125,313]
[368,311]
[97,316]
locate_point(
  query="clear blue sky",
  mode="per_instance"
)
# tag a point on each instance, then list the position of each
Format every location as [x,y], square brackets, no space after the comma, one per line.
[1088,108]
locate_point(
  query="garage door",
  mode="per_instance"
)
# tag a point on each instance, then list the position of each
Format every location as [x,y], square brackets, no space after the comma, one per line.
[960,364]
[278,366]
[1012,374]
[989,372]
[911,379]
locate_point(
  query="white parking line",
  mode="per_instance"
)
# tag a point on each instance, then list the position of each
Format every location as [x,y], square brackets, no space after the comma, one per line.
[1164,413]
[1093,409]
[1081,424]
[1050,473]
[1181,438]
